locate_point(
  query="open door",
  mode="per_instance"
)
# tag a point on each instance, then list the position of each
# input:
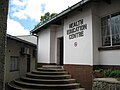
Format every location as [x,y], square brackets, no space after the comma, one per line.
[60,50]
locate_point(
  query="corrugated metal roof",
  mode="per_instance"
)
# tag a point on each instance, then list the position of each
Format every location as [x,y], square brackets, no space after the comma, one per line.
[20,40]
[29,38]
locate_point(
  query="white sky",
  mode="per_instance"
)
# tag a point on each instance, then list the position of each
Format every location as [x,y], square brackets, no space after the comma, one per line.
[32,9]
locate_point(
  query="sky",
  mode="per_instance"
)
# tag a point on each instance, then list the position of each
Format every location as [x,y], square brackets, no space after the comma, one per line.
[23,15]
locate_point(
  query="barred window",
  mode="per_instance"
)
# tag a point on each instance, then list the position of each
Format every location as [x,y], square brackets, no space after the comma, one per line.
[14,63]
[110,26]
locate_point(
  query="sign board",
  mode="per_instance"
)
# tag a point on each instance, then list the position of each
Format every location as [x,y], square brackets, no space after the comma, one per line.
[76,29]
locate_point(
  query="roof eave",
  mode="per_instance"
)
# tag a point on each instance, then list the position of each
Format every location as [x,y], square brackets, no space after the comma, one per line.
[60,15]
[20,40]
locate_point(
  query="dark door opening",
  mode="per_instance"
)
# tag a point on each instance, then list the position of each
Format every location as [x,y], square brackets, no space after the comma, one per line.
[60,50]
[28,63]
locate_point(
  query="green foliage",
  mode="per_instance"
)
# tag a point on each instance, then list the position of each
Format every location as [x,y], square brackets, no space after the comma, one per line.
[43,19]
[37,25]
[53,15]
[99,70]
[98,73]
[109,72]
[118,79]
[112,73]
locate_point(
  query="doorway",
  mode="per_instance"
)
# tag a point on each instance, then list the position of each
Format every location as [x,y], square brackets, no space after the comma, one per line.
[28,63]
[60,50]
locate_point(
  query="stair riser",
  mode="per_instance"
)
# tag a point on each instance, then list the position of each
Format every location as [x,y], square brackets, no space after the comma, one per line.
[48,77]
[52,66]
[47,87]
[43,73]
[12,88]
[48,82]
[50,70]
[39,77]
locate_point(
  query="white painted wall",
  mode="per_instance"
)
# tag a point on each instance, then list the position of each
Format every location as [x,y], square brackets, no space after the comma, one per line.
[44,46]
[105,9]
[59,34]
[103,57]
[59,31]
[47,44]
[56,32]
[86,52]
[110,57]
[96,38]
[96,27]
[83,53]
[52,44]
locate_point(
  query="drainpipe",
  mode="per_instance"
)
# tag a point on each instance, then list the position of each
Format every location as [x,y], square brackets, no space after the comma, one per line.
[36,58]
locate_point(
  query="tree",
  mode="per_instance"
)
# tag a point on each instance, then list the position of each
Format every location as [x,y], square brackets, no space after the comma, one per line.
[47,16]
[53,15]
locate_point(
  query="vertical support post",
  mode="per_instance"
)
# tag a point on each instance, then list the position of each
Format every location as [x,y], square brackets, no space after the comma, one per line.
[3,28]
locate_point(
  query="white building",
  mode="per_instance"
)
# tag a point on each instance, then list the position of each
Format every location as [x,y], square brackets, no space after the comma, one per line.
[81,37]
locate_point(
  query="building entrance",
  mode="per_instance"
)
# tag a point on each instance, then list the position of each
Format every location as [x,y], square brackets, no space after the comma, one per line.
[28,63]
[60,50]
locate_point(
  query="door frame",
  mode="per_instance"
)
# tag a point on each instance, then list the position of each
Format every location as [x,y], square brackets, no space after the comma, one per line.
[28,63]
[60,50]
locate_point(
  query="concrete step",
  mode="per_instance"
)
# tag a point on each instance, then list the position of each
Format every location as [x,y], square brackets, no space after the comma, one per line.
[48,77]
[50,69]
[53,66]
[48,72]
[78,89]
[46,86]
[13,86]
[46,81]
[31,75]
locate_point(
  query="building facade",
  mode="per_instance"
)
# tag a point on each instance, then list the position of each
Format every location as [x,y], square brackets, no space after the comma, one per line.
[82,37]
[20,58]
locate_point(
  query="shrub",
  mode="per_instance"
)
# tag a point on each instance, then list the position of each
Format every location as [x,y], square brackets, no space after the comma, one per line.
[98,70]
[118,79]
[109,72]
[98,73]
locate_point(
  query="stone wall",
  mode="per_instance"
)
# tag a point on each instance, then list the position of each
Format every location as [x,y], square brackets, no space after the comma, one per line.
[106,84]
[3,27]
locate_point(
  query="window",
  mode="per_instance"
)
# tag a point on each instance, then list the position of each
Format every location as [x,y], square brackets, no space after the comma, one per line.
[110,26]
[14,65]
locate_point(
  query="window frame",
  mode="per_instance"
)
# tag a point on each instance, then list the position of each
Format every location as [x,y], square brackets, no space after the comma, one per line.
[108,26]
[14,63]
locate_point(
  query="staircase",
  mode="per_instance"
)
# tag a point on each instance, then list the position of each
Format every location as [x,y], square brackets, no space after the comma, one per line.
[48,77]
